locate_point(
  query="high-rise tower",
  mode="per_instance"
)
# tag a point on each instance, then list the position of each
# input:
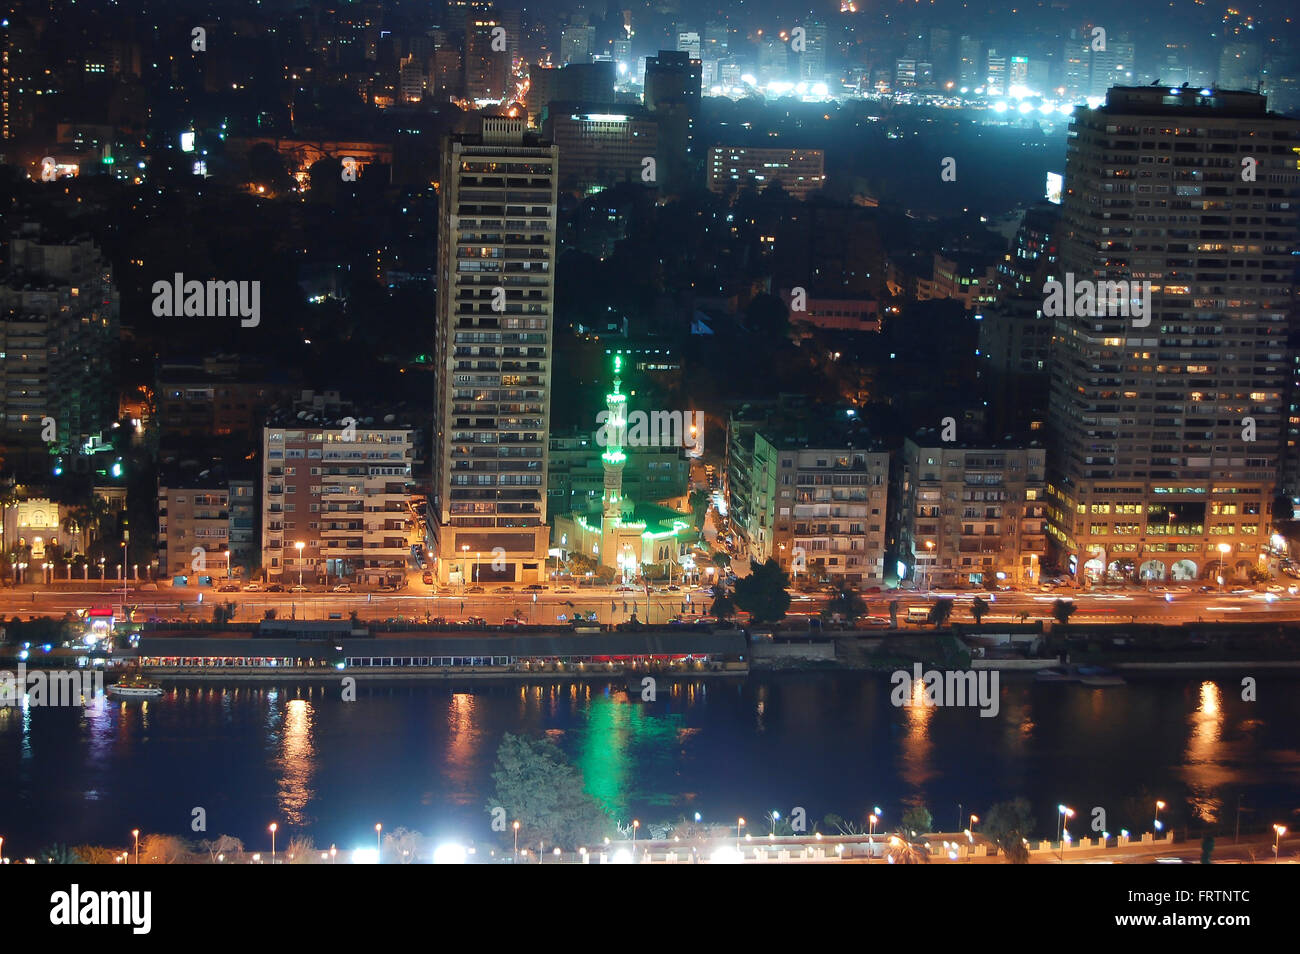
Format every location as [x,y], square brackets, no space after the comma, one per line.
[496,292]
[1167,424]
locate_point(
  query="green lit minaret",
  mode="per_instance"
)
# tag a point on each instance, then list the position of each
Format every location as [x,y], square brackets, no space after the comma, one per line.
[613,458]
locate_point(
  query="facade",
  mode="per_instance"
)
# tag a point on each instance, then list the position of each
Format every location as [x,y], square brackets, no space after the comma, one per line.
[340,488]
[969,279]
[800,172]
[195,528]
[836,313]
[575,477]
[496,296]
[1169,430]
[807,494]
[970,514]
[58,344]
[600,146]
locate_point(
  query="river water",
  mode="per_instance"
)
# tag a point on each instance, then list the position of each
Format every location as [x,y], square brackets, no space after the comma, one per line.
[421,756]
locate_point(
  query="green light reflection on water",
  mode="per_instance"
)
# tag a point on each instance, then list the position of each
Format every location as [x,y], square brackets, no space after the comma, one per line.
[624,748]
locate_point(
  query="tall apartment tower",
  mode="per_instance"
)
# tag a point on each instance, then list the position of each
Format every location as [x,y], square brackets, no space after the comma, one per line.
[1168,425]
[496,295]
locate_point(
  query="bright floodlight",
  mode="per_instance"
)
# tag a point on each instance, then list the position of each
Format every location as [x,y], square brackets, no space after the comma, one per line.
[622,857]
[449,854]
[365,856]
[726,855]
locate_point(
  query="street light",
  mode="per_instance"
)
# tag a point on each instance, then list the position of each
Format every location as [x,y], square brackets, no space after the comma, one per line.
[298,546]
[974,819]
[227,564]
[740,823]
[516,826]
[1278,832]
[929,547]
[274,826]
[635,825]
[1062,834]
[378,843]
[776,816]
[1158,825]
[135,833]
[1224,549]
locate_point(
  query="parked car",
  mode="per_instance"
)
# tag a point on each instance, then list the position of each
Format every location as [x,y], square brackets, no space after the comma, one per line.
[388,588]
[505,589]
[566,588]
[475,589]
[343,588]
[224,588]
[534,588]
[299,588]
[674,588]
[626,589]
[253,588]
[275,588]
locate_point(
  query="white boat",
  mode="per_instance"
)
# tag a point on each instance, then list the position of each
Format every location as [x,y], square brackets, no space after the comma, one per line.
[136,686]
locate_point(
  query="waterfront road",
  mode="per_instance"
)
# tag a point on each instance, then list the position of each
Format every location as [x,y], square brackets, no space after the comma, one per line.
[418,602]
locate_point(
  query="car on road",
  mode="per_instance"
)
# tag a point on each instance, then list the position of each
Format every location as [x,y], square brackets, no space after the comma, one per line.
[475,589]
[674,588]
[427,578]
[299,588]
[566,588]
[1159,589]
[224,588]
[626,589]
[1275,588]
[505,589]
[388,588]
[275,588]
[534,588]
[1241,592]
[253,588]
[343,588]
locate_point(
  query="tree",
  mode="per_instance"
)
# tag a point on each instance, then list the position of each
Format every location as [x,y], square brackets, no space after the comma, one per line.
[721,559]
[917,819]
[939,613]
[161,850]
[403,846]
[699,501]
[723,606]
[763,594]
[1063,610]
[300,850]
[842,826]
[904,851]
[96,854]
[1008,825]
[223,845]
[1207,849]
[58,854]
[846,603]
[537,787]
[979,608]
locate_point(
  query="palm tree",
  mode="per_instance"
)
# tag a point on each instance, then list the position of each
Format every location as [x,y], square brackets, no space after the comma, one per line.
[979,608]
[9,497]
[1063,610]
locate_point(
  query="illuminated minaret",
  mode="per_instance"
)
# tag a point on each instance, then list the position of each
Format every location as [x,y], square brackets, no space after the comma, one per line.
[613,458]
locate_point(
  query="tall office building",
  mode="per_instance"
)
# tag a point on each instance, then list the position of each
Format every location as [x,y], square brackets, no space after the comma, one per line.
[487,70]
[1169,424]
[496,292]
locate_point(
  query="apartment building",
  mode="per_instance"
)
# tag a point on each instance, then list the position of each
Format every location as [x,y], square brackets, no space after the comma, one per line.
[967,514]
[811,494]
[207,526]
[601,146]
[800,172]
[59,333]
[1169,427]
[496,294]
[335,495]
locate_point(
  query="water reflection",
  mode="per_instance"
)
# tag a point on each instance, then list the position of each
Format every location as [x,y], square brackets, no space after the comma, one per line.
[296,762]
[914,756]
[1205,754]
